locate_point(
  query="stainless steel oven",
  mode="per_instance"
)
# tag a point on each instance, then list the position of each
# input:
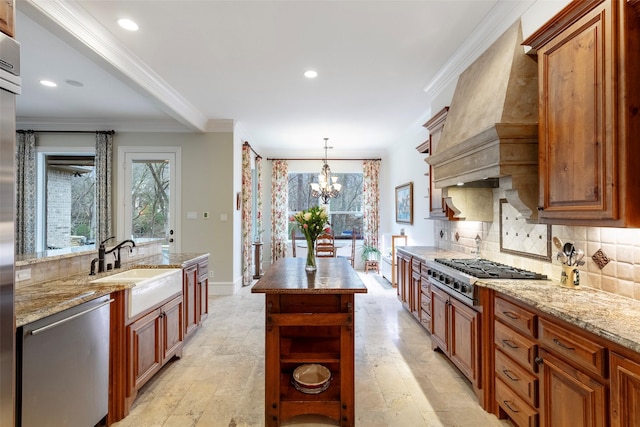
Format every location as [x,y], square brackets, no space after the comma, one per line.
[458,277]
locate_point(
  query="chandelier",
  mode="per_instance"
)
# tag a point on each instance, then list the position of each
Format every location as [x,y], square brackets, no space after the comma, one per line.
[327,186]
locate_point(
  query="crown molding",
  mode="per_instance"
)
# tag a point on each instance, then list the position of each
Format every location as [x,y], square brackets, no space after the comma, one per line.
[86,31]
[497,21]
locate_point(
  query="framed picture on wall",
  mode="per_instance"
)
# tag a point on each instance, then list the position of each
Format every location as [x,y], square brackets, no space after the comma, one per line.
[404,203]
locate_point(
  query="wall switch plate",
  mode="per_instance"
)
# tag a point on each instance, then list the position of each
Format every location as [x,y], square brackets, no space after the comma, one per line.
[192,215]
[23,274]
[223,217]
[210,274]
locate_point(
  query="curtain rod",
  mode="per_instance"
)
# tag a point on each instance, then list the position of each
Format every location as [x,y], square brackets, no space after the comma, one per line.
[312,159]
[110,132]
[251,148]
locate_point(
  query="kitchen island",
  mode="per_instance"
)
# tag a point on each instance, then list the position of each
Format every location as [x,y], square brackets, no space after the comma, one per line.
[309,320]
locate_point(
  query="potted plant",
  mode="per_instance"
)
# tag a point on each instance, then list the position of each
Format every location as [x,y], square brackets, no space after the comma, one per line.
[370,253]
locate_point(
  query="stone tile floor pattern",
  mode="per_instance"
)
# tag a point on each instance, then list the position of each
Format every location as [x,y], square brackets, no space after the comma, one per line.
[219,381]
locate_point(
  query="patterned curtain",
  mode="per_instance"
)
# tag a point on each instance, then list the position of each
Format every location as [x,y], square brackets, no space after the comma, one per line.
[259,224]
[246,214]
[279,203]
[104,182]
[371,202]
[26,192]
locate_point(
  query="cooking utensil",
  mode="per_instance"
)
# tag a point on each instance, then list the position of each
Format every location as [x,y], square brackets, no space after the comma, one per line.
[562,257]
[567,249]
[557,243]
[578,257]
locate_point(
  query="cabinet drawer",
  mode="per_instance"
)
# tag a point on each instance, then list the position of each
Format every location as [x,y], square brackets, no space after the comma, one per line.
[425,287]
[521,413]
[575,348]
[519,379]
[416,266]
[514,344]
[424,270]
[203,268]
[425,320]
[515,316]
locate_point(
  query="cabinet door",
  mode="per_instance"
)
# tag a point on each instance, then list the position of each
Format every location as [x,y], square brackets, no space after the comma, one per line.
[569,397]
[145,354]
[439,321]
[464,339]
[625,392]
[172,326]
[6,17]
[190,302]
[203,298]
[576,152]
[415,297]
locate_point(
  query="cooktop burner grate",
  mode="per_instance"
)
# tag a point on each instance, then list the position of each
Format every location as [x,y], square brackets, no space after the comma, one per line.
[485,269]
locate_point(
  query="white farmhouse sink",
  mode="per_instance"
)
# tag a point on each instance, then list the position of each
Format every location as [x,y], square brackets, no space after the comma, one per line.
[152,286]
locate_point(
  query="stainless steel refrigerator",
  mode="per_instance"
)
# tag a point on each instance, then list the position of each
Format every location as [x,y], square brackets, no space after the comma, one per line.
[9,88]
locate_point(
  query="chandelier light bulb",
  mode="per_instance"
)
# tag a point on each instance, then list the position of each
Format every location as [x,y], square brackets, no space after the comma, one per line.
[327,186]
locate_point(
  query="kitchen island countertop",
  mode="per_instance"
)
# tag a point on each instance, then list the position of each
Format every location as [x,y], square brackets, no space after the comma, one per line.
[37,301]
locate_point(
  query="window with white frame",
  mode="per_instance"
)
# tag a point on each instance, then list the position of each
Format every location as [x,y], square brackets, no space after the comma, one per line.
[345,210]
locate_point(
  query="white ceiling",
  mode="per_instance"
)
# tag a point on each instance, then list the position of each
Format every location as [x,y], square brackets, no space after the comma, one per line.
[207,64]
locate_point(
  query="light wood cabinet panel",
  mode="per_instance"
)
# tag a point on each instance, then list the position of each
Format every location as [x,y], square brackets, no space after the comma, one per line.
[589,97]
[569,397]
[625,391]
[7,17]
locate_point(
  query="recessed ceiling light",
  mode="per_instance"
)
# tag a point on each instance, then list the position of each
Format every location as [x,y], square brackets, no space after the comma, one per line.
[128,24]
[48,83]
[311,74]
[74,83]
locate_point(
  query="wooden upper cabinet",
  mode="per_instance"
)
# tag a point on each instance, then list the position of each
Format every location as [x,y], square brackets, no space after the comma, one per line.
[7,17]
[589,100]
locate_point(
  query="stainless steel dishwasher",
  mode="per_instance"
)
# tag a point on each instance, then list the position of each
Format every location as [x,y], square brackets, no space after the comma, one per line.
[63,367]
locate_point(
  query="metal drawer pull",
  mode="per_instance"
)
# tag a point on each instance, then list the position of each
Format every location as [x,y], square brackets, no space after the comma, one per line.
[506,403]
[510,315]
[66,319]
[509,344]
[557,342]
[508,373]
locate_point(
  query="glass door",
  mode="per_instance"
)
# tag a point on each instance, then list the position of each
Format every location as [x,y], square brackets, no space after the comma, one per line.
[151,202]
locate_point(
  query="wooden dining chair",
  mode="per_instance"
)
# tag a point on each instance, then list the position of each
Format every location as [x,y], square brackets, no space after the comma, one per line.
[352,258]
[325,246]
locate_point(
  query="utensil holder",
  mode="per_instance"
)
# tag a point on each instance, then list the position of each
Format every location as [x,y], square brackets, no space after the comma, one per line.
[570,276]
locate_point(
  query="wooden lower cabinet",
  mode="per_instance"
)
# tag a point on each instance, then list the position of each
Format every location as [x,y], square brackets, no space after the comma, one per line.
[152,340]
[203,291]
[455,332]
[190,293]
[404,278]
[569,397]
[625,391]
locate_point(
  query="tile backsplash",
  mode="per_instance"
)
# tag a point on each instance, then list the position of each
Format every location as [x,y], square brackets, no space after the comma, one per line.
[621,275]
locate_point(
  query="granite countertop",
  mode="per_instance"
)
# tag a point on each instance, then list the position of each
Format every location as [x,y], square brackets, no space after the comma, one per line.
[35,302]
[613,317]
[610,316]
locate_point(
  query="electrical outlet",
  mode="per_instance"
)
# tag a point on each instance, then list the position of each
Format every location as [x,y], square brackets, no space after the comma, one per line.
[23,274]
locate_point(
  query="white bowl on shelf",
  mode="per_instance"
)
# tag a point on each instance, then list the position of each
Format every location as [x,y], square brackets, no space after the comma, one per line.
[311,378]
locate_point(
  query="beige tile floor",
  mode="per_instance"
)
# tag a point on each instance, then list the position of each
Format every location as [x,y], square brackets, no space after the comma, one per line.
[219,381]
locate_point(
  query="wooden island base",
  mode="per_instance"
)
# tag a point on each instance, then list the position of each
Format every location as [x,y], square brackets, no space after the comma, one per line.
[309,319]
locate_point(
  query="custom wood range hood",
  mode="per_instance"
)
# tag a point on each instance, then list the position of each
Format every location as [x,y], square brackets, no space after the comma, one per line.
[490,137]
